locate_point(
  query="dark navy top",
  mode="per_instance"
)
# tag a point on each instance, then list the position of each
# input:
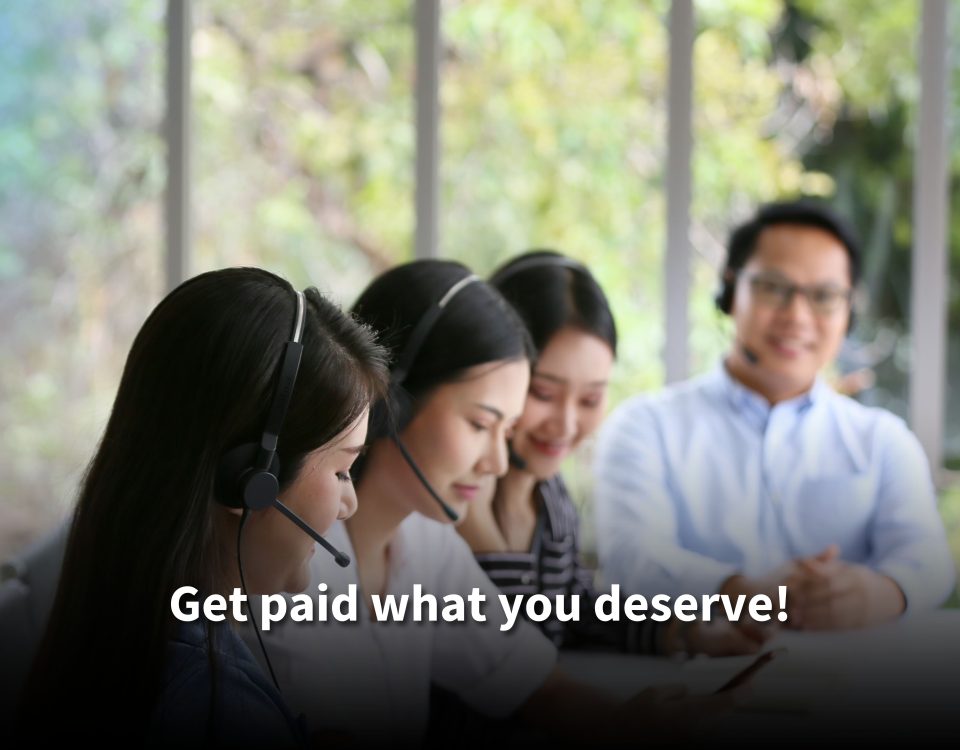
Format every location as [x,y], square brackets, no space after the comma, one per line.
[233,704]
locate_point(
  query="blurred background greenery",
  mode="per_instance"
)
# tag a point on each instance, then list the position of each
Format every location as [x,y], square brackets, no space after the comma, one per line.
[553,134]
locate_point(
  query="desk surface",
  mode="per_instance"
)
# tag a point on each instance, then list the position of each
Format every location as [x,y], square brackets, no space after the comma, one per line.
[903,677]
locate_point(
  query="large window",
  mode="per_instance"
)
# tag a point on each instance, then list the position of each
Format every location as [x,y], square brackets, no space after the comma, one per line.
[553,133]
[304,138]
[824,105]
[553,136]
[740,155]
[81,174]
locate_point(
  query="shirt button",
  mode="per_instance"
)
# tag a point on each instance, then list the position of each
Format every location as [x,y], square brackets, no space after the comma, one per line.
[526,578]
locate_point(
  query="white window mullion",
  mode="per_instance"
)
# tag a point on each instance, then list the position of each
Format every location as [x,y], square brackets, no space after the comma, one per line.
[177,134]
[427,124]
[678,183]
[930,260]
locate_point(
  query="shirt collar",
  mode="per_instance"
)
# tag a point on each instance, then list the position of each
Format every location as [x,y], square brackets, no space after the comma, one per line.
[749,402]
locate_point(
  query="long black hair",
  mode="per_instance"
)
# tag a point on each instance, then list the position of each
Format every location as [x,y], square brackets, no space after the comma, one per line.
[198,381]
[476,327]
[550,292]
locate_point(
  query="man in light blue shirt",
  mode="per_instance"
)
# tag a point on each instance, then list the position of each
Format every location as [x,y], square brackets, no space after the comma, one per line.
[758,474]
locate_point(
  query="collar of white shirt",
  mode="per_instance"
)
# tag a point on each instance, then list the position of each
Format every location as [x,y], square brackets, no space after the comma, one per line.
[754,406]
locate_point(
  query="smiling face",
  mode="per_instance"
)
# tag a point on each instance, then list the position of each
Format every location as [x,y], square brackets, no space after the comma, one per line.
[791,340]
[276,553]
[566,401]
[458,437]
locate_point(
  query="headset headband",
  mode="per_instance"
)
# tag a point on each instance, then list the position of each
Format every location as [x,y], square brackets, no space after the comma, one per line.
[423,328]
[281,399]
[537,262]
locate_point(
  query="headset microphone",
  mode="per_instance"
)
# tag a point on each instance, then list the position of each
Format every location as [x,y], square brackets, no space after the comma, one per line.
[402,368]
[343,560]
[749,354]
[516,460]
[448,511]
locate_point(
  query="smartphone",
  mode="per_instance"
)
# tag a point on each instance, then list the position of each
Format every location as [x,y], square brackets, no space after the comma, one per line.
[747,674]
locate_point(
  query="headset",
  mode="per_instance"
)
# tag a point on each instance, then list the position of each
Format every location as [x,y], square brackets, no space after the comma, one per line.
[724,296]
[398,409]
[723,299]
[248,475]
[803,213]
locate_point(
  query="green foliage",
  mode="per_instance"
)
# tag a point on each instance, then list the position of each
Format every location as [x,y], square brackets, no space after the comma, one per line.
[553,134]
[80,178]
[304,139]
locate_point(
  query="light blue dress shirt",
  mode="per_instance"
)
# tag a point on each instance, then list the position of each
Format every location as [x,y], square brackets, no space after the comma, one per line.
[705,480]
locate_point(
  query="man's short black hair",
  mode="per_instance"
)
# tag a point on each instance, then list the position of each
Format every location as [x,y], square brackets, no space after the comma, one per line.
[807,213]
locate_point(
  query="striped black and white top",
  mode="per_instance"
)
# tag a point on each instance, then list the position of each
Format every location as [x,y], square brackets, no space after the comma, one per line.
[553,567]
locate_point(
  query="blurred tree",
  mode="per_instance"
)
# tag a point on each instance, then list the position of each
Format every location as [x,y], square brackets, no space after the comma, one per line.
[553,134]
[304,136]
[80,176]
[848,104]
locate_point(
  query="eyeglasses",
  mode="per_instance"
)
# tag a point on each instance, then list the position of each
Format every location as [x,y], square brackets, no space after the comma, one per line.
[775,292]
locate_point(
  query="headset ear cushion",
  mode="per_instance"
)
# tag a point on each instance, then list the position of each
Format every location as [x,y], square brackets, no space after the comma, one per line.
[724,298]
[379,424]
[237,477]
[402,404]
[391,414]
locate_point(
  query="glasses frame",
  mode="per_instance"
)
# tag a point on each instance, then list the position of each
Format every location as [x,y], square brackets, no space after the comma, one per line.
[844,299]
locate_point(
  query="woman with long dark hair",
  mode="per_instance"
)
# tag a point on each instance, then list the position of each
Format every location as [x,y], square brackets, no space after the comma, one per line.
[237,389]
[525,534]
[460,371]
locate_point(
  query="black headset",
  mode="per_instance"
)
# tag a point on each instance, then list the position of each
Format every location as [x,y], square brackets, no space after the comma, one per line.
[249,475]
[400,402]
[396,411]
[743,240]
[724,297]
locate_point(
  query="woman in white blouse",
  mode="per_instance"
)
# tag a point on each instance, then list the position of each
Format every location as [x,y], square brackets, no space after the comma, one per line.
[459,378]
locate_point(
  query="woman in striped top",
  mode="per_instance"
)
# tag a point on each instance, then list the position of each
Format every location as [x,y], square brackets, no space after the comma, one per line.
[526,535]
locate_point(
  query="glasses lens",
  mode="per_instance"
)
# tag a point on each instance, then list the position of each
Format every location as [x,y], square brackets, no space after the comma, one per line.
[774,292]
[826,300]
[770,291]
